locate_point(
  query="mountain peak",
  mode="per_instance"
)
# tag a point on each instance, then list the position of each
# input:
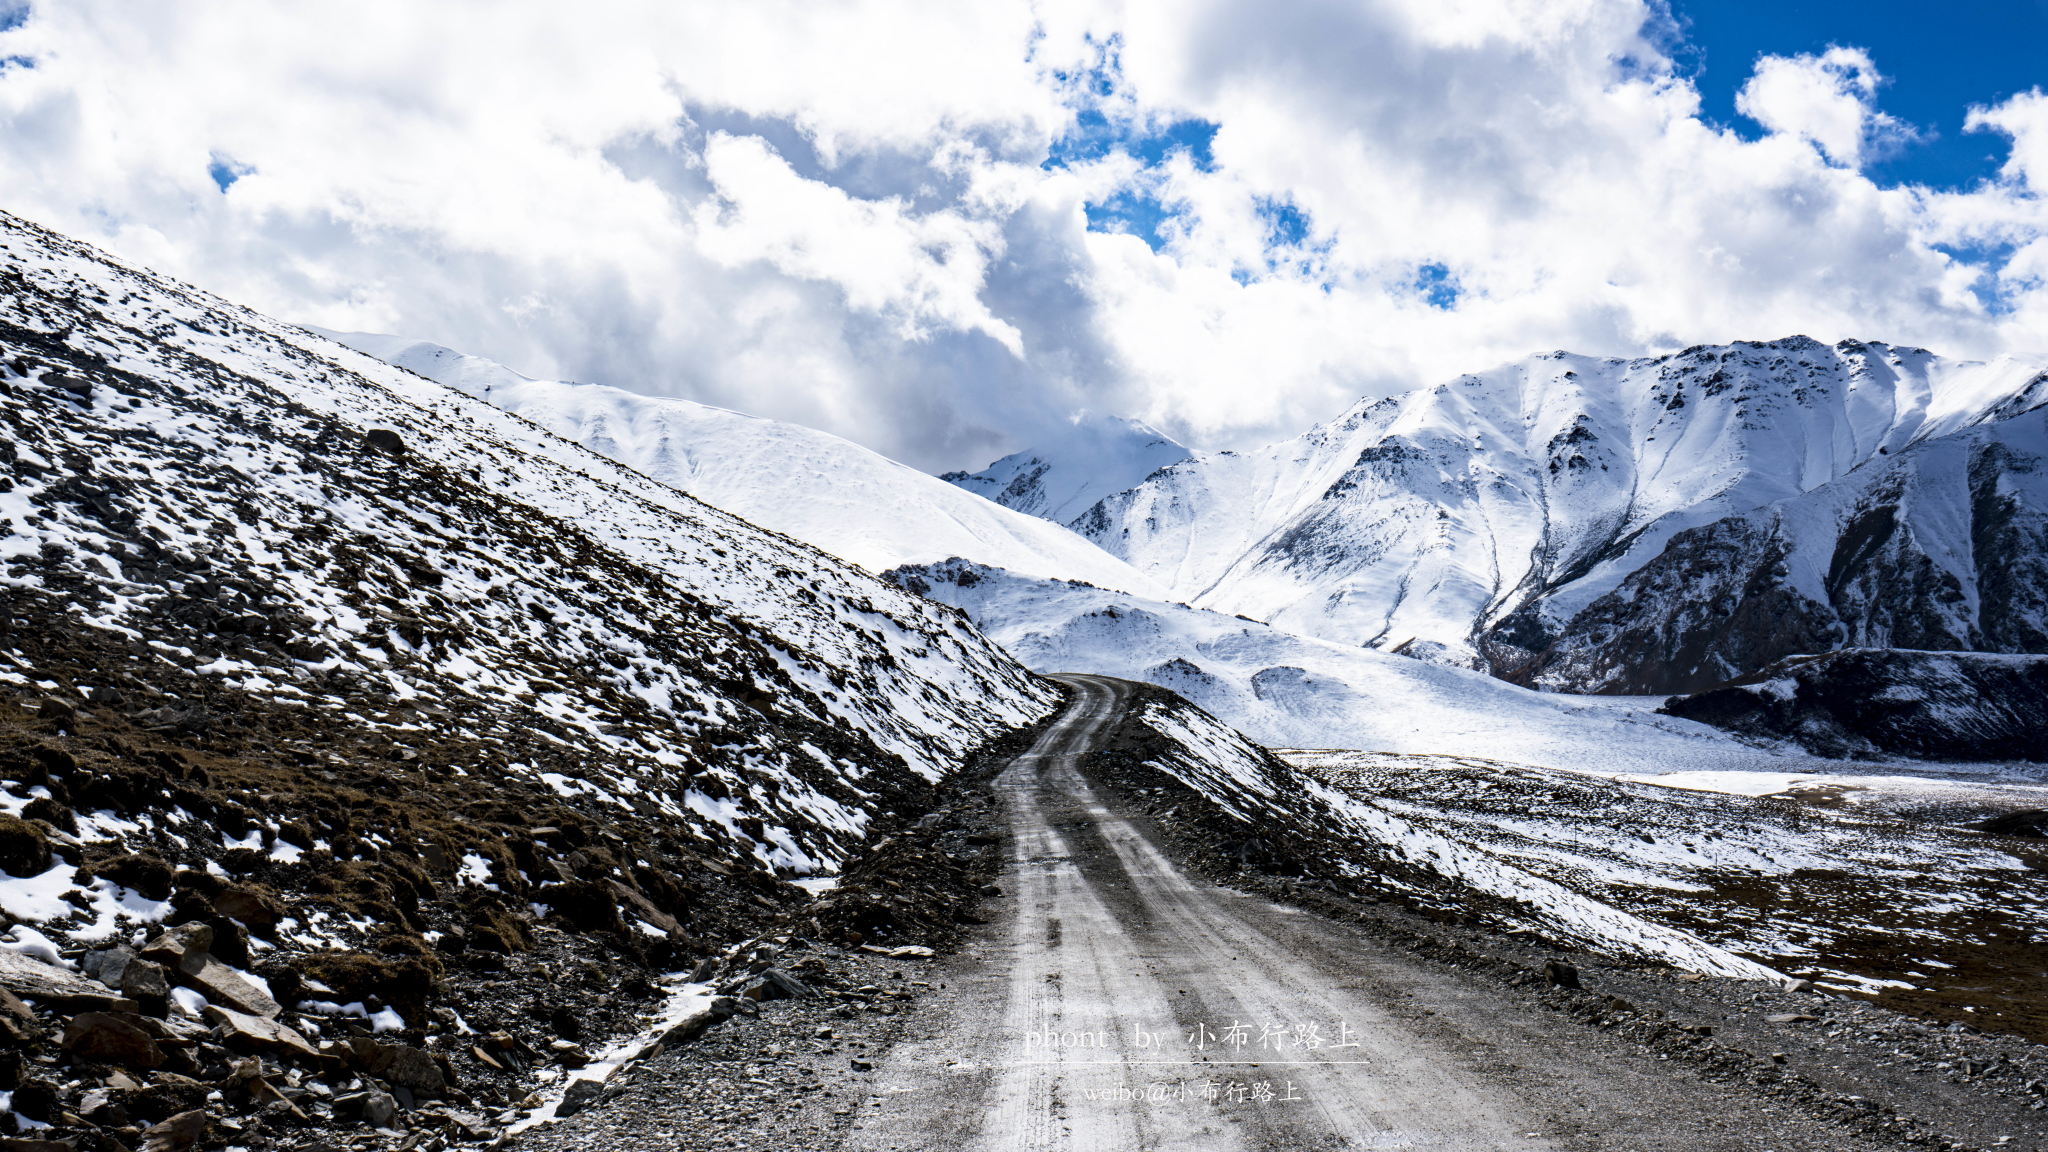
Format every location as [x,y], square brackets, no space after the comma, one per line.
[1098,457]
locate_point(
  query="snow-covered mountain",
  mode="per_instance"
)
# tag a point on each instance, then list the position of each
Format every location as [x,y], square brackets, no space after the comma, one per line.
[1942,545]
[293,525]
[810,485]
[1097,458]
[1284,690]
[1470,523]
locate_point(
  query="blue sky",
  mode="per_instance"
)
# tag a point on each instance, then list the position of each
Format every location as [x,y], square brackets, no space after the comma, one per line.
[1940,57]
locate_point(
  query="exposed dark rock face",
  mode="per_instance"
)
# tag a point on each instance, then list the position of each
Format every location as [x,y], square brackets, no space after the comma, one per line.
[1869,702]
[1944,548]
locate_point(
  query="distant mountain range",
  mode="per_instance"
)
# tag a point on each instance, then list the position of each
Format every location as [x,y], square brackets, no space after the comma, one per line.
[1641,526]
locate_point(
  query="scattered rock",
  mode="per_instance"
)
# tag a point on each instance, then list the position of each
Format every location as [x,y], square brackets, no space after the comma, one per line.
[31,979]
[107,1039]
[579,1095]
[180,1131]
[775,984]
[400,1065]
[219,984]
[36,1099]
[569,1054]
[242,1032]
[372,1107]
[172,946]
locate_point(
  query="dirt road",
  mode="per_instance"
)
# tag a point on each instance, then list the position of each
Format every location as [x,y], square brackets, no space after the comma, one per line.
[1121,1003]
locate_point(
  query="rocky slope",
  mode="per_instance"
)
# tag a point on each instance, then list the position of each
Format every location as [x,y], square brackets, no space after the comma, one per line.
[437,737]
[1472,522]
[1868,703]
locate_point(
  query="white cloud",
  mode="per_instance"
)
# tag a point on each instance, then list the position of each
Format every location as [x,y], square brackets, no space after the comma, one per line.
[919,270]
[835,213]
[1828,99]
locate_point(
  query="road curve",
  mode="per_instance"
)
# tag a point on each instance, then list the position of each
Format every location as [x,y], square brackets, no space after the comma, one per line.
[1127,1005]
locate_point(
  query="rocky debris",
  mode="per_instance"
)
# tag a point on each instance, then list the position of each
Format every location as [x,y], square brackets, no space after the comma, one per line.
[785,1078]
[143,981]
[219,984]
[919,885]
[248,730]
[1864,702]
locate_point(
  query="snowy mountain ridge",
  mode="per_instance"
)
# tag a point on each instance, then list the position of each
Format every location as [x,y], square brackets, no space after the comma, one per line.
[318,528]
[1098,458]
[812,486]
[1472,521]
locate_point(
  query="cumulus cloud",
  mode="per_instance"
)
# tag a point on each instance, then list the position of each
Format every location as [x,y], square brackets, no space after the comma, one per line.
[1828,99]
[921,270]
[946,230]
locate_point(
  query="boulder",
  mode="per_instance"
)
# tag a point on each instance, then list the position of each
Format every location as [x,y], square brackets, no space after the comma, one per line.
[221,985]
[143,981]
[244,1033]
[37,1100]
[32,979]
[632,903]
[172,946]
[401,1065]
[103,1107]
[775,984]
[579,1095]
[178,1132]
[105,1038]
[255,909]
[377,1109]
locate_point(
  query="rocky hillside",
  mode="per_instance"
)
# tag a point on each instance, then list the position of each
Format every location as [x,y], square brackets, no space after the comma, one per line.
[436,737]
[1473,522]
[1864,703]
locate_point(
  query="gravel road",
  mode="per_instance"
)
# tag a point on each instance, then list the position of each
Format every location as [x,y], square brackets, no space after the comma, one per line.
[1117,1000]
